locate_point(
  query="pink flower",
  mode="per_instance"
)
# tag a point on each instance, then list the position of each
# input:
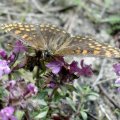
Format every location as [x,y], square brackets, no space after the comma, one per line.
[7,113]
[117,83]
[52,84]
[74,67]
[85,69]
[4,68]
[3,54]
[56,65]
[117,68]
[32,89]
[19,47]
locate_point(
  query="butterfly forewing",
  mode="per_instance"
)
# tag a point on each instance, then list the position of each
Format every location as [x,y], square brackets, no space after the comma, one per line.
[88,46]
[27,33]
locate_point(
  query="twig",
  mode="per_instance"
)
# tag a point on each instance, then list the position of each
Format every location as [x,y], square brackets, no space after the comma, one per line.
[92,116]
[103,110]
[37,77]
[27,115]
[100,73]
[89,114]
[70,23]
[102,12]
[28,15]
[108,97]
[51,95]
[62,9]
[37,5]
[103,81]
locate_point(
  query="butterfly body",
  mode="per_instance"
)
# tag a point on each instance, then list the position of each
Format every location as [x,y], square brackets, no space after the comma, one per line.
[56,41]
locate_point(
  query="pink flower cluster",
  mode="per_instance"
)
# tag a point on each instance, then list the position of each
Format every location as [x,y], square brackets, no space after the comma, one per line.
[117,71]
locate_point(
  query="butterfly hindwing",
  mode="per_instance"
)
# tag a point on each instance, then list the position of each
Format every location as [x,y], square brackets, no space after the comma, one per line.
[88,46]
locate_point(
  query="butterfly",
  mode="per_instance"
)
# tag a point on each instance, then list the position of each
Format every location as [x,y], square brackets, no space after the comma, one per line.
[56,41]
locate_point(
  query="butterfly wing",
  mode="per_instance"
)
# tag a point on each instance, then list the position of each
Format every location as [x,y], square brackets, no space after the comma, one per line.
[27,33]
[54,36]
[49,37]
[87,46]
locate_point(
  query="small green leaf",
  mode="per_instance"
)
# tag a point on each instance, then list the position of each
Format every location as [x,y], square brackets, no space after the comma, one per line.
[93,96]
[19,114]
[112,19]
[42,94]
[71,103]
[57,96]
[77,86]
[42,102]
[42,114]
[84,115]
[108,3]
[62,91]
[69,86]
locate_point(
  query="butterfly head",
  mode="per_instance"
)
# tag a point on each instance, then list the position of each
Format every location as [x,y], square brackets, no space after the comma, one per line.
[47,54]
[44,54]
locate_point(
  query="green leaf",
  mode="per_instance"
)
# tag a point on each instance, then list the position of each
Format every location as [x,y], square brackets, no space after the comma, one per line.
[42,114]
[71,103]
[57,96]
[19,114]
[84,115]
[42,102]
[86,89]
[77,86]
[62,91]
[112,19]
[93,96]
[77,1]
[69,86]
[117,111]
[42,94]
[108,3]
